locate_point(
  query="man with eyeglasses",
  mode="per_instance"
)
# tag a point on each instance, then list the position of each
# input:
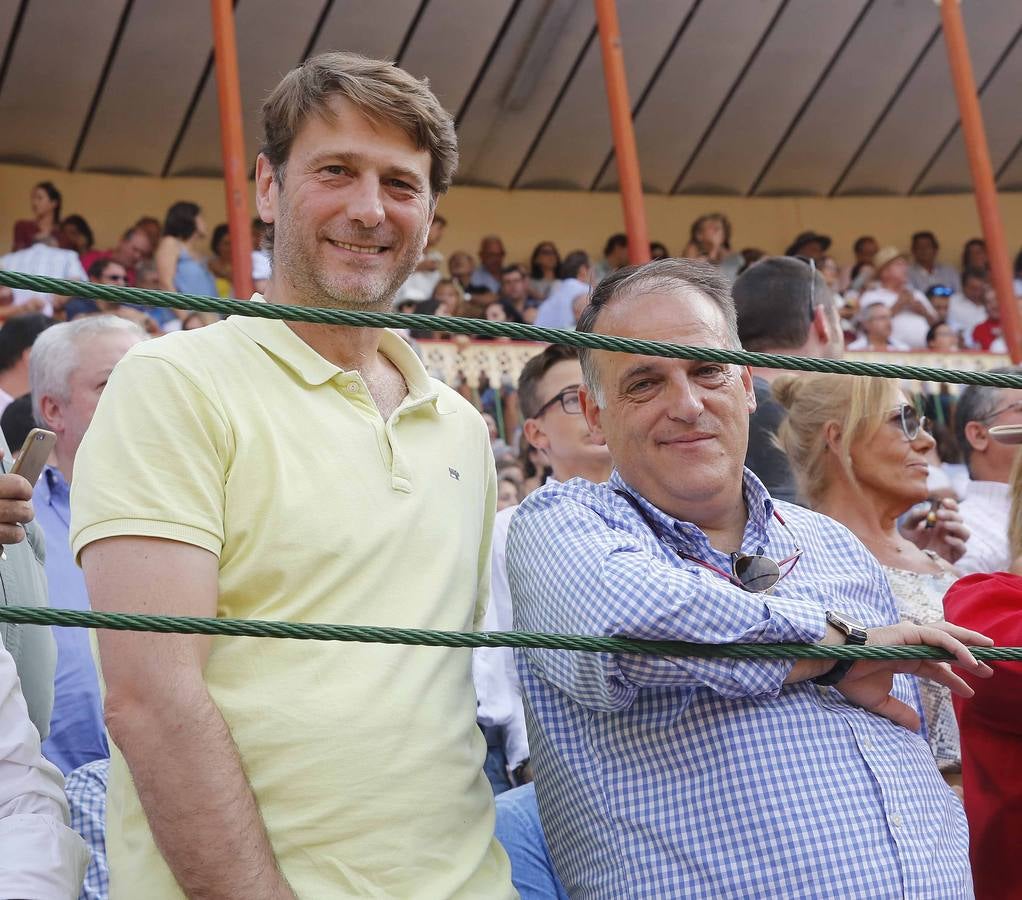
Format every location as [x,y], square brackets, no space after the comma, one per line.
[683,777]
[553,424]
[987,502]
[548,398]
[106,270]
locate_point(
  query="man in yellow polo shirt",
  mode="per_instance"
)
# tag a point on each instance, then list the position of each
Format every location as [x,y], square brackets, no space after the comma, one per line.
[261,469]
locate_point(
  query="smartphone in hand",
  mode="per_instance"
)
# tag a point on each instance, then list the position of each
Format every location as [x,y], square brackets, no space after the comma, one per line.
[33,455]
[31,458]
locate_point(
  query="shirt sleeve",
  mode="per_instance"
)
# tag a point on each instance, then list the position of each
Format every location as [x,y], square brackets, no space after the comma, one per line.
[486,544]
[573,573]
[75,270]
[166,446]
[41,856]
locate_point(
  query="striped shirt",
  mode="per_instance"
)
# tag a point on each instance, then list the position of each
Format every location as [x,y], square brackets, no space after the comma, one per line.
[665,777]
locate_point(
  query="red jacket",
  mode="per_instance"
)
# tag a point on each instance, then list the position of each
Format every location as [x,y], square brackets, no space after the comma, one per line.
[991,731]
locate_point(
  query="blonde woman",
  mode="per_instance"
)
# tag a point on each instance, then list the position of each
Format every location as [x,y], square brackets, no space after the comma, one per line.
[858,450]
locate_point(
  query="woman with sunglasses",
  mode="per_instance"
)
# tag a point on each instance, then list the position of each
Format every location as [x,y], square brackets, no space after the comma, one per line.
[858,450]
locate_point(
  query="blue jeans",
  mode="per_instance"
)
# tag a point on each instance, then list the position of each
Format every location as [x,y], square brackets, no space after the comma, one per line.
[495,766]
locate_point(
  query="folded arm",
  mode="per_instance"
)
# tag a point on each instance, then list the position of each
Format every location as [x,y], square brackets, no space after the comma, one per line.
[595,579]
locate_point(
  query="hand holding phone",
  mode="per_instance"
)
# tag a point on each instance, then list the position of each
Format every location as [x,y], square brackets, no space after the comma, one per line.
[15,499]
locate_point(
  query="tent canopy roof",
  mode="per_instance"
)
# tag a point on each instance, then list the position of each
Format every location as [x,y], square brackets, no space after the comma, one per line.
[744,97]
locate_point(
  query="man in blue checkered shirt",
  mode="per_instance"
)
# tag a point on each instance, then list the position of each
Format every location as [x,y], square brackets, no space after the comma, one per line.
[668,777]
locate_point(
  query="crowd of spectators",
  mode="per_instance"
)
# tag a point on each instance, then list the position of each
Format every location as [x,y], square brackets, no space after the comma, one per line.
[631,496]
[888,299]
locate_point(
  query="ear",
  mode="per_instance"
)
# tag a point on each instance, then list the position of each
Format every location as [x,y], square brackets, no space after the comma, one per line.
[977,435]
[53,416]
[745,373]
[535,435]
[592,412]
[820,326]
[266,190]
[832,435]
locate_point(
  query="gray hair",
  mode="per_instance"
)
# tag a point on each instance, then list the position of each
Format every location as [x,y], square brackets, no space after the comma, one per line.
[55,355]
[975,404]
[660,276]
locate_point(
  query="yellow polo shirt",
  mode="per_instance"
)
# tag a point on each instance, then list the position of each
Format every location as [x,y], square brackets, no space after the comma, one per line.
[365,759]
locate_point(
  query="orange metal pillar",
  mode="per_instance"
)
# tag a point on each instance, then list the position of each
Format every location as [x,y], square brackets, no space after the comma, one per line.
[232,143]
[982,173]
[624,135]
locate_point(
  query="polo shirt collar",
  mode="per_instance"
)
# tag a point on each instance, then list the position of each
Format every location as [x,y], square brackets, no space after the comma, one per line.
[277,338]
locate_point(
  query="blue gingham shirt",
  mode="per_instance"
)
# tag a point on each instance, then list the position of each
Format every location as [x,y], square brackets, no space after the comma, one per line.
[86,796]
[663,777]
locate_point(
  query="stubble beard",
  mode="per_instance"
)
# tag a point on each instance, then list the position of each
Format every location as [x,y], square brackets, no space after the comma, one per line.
[315,285]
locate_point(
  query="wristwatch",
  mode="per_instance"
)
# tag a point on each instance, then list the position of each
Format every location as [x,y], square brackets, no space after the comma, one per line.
[855,634]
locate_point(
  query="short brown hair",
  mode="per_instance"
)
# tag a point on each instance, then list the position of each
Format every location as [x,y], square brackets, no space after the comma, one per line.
[533,372]
[382,93]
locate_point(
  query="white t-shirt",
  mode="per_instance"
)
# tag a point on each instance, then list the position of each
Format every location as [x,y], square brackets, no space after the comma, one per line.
[908,327]
[261,265]
[420,285]
[966,315]
[862,343]
[41,259]
[985,511]
[498,692]
[40,856]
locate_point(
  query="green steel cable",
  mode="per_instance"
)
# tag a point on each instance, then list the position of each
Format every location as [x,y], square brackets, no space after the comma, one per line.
[484,328]
[71,618]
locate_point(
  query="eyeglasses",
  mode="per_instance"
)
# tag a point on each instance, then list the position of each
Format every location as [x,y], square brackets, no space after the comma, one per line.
[754,573]
[809,261]
[911,423]
[568,398]
[1016,406]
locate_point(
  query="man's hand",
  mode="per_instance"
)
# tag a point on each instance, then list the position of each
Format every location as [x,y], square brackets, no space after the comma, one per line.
[946,538]
[868,683]
[15,508]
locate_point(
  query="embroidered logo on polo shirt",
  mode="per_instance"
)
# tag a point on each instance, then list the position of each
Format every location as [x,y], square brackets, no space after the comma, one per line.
[454,473]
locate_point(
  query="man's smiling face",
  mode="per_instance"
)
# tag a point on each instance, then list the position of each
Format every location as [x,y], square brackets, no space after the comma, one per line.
[354,210]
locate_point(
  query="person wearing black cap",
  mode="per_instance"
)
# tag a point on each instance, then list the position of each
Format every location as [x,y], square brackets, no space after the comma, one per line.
[783,306]
[810,244]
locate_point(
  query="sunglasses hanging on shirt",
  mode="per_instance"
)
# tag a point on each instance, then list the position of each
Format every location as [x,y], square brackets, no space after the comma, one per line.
[755,573]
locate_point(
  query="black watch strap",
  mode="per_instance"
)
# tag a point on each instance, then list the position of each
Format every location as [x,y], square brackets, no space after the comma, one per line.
[855,635]
[835,674]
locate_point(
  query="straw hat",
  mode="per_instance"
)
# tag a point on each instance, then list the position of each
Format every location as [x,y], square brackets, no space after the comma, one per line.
[885,256]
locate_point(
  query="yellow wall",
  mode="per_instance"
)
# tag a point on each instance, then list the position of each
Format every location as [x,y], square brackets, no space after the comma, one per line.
[112,202]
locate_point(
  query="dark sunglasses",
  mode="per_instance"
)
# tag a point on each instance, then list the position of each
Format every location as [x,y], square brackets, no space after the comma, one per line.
[911,423]
[568,398]
[755,573]
[809,261]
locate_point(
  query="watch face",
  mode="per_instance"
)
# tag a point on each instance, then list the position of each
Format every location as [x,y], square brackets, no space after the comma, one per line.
[843,623]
